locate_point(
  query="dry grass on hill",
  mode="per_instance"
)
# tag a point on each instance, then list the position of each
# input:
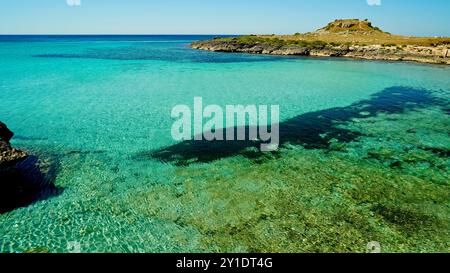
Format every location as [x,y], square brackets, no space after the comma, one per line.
[359,32]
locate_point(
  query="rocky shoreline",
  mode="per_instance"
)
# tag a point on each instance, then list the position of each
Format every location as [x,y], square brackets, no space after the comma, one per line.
[422,54]
[8,155]
[22,181]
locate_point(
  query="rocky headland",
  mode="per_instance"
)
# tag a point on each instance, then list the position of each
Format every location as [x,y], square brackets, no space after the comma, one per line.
[351,38]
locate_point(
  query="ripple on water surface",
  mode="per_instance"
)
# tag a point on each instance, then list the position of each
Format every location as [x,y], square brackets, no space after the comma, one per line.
[364,152]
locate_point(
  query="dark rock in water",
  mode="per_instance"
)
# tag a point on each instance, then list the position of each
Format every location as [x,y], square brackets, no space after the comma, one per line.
[5,133]
[8,155]
[24,184]
[21,179]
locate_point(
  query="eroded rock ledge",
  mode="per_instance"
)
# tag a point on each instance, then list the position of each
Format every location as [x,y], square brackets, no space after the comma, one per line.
[8,155]
[423,54]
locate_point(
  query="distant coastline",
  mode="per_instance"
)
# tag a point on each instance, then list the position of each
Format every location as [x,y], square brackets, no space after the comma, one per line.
[351,38]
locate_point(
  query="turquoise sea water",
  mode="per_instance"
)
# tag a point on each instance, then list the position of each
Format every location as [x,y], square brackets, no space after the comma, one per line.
[96,112]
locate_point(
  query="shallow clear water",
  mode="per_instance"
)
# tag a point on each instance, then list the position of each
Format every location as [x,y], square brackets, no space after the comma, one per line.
[96,108]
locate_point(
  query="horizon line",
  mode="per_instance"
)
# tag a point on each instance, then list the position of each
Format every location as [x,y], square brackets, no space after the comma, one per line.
[183,34]
[128,34]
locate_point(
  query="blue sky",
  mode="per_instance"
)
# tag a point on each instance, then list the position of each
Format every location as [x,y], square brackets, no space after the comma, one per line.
[408,17]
